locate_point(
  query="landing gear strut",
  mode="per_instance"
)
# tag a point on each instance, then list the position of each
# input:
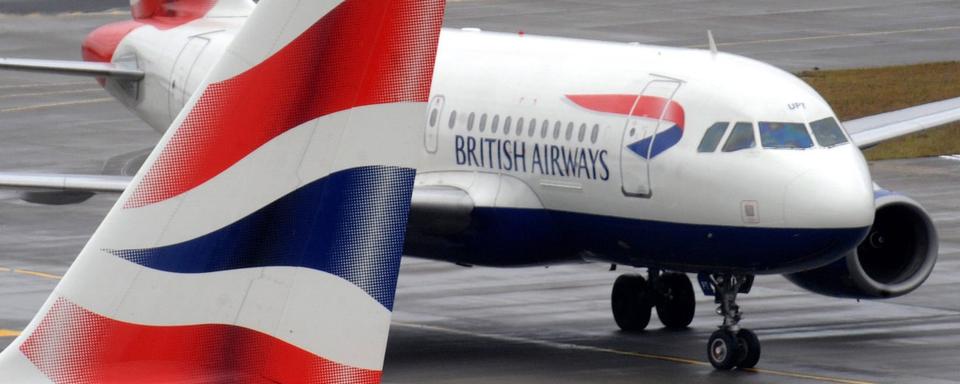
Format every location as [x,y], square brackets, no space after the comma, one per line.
[634,297]
[730,346]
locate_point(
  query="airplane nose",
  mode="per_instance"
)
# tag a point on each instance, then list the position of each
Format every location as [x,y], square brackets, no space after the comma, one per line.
[838,194]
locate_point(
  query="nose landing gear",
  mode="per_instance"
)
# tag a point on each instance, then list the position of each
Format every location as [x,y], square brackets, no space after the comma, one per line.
[672,294]
[730,346]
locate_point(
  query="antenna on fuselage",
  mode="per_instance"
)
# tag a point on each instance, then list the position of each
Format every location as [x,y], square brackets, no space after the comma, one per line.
[712,43]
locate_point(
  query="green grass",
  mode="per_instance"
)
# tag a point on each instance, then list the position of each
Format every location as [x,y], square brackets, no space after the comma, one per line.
[857,93]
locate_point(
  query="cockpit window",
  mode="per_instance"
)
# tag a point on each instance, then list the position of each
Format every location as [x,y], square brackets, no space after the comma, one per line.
[784,135]
[828,132]
[712,138]
[741,137]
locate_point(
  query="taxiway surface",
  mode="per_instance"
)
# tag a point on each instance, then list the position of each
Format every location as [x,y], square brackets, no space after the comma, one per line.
[479,325]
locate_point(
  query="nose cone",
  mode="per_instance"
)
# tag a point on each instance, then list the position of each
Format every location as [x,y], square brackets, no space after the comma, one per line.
[837,192]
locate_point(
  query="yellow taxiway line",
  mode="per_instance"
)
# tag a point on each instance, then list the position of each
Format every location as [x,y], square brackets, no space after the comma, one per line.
[52,105]
[31,273]
[646,356]
[551,344]
[8,333]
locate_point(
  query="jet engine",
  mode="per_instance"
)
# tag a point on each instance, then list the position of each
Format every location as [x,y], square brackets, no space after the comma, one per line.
[895,258]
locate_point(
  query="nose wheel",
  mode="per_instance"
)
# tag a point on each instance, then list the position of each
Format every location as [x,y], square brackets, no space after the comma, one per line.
[730,346]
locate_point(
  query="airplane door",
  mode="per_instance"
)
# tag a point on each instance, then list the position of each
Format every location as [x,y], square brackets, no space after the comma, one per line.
[643,124]
[182,71]
[434,113]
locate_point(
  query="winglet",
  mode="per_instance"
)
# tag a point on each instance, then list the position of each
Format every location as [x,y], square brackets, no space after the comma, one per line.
[261,240]
[712,43]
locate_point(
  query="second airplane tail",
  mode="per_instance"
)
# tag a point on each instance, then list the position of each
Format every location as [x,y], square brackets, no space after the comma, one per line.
[261,240]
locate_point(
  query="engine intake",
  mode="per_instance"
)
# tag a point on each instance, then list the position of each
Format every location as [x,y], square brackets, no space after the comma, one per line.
[894,259]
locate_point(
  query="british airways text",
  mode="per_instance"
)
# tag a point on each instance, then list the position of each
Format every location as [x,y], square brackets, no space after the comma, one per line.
[543,159]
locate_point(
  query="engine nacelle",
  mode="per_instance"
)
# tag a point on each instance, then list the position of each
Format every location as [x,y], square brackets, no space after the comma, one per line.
[896,257]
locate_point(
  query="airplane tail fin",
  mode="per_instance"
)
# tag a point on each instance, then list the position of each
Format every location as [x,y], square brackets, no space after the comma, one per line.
[184,9]
[261,240]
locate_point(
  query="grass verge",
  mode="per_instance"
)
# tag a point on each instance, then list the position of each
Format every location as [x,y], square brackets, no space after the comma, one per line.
[857,93]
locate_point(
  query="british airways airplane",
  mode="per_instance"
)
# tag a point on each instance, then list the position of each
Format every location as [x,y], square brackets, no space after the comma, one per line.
[538,150]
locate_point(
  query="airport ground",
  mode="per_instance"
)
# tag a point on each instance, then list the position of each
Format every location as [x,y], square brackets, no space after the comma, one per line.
[540,325]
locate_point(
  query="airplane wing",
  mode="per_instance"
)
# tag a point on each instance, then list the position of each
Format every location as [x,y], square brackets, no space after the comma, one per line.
[431,208]
[871,130]
[73,68]
[63,182]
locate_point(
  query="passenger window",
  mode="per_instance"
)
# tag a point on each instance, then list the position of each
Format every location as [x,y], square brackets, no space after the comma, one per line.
[784,135]
[569,131]
[496,124]
[713,136]
[483,122]
[453,119]
[583,132]
[544,129]
[519,126]
[533,128]
[506,125]
[556,130]
[828,132]
[595,133]
[741,137]
[470,121]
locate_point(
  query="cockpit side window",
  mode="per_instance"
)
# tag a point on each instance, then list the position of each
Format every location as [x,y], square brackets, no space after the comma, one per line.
[828,132]
[713,136]
[784,135]
[741,137]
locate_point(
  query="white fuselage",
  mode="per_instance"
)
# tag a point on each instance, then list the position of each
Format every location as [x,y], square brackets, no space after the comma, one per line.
[574,158]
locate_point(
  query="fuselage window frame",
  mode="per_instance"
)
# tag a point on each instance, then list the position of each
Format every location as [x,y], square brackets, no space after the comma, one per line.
[741,128]
[711,140]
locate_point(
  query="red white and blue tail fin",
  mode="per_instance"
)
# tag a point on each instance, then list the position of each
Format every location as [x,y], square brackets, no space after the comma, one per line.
[261,241]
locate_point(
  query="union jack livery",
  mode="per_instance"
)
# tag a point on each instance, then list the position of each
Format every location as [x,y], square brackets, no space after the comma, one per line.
[261,240]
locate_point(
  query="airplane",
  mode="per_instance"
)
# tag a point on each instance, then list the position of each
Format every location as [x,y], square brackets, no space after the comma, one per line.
[542,150]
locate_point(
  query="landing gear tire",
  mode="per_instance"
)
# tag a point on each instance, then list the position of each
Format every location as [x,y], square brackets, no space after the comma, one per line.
[631,303]
[731,346]
[749,346]
[677,302]
[723,350]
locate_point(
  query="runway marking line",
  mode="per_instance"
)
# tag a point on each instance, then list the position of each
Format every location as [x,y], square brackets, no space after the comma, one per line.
[550,344]
[51,93]
[31,273]
[9,333]
[38,85]
[834,36]
[647,356]
[52,105]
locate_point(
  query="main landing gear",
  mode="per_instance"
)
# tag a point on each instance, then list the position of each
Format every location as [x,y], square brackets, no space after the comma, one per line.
[634,298]
[730,346]
[672,294]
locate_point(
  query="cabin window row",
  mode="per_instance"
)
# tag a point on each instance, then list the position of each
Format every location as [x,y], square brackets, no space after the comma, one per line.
[520,127]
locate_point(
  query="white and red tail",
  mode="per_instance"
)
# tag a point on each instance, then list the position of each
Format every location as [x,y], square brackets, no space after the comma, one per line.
[185,10]
[261,241]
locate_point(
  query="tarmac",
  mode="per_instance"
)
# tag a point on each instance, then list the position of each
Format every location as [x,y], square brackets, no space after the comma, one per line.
[538,325]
